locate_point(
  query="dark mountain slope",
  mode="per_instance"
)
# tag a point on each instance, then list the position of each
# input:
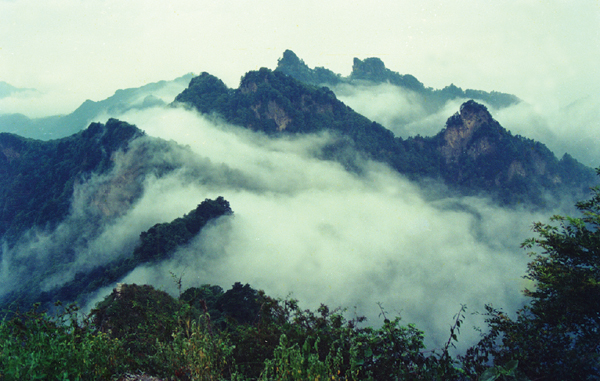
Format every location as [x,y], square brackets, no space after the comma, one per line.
[156,244]
[37,178]
[476,152]
[374,71]
[473,153]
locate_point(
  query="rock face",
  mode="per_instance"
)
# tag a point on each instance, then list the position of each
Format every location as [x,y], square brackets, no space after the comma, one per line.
[473,152]
[373,70]
[477,152]
[458,136]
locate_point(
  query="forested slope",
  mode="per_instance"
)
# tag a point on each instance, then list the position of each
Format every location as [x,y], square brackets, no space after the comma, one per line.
[473,153]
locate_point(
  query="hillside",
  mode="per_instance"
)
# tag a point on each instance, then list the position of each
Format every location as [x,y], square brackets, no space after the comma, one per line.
[37,178]
[473,153]
[373,70]
[154,245]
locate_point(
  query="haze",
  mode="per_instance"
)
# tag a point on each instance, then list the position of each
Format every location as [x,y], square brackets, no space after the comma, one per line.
[302,225]
[72,50]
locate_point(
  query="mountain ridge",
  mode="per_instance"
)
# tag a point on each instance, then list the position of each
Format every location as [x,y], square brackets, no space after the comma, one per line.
[36,172]
[60,126]
[373,70]
[488,159]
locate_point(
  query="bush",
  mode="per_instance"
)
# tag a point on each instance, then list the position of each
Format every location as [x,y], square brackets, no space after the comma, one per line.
[37,346]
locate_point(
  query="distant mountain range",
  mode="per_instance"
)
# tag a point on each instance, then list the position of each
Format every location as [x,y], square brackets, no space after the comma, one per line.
[374,71]
[471,155]
[59,126]
[7,89]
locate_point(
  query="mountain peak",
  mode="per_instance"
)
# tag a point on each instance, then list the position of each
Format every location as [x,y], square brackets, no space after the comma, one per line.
[373,69]
[474,114]
[370,68]
[290,59]
[461,129]
[290,64]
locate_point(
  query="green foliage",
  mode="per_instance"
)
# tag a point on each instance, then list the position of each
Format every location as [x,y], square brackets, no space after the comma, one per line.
[203,302]
[556,336]
[197,352]
[292,362]
[240,303]
[161,240]
[37,346]
[138,329]
[141,318]
[508,372]
[204,92]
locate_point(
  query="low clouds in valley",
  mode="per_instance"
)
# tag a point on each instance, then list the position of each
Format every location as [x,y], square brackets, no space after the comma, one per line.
[302,226]
[572,129]
[309,228]
[402,111]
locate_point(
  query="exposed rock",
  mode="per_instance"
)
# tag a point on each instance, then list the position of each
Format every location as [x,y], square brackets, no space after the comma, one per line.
[278,115]
[138,377]
[10,154]
[516,168]
[460,130]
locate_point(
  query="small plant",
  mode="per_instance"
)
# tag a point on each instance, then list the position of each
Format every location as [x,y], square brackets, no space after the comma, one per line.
[196,353]
[38,346]
[506,372]
[292,363]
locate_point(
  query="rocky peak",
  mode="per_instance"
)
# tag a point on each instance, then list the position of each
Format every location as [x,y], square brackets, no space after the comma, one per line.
[460,129]
[290,59]
[474,115]
[371,68]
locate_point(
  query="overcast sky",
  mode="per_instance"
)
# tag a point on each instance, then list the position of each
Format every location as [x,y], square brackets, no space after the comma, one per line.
[545,52]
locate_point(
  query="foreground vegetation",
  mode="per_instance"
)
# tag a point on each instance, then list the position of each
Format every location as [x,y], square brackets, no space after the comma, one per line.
[208,334]
[243,334]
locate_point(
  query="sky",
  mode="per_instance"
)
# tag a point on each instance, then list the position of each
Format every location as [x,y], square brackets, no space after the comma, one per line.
[545,52]
[301,225]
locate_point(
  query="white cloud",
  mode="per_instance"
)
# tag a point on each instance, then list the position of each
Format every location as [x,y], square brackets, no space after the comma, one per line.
[310,228]
[542,52]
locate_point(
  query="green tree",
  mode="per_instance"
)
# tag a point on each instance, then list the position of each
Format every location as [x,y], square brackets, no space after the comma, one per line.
[556,336]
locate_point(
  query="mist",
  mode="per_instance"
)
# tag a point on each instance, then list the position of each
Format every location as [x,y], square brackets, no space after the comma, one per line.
[40,103]
[302,227]
[572,129]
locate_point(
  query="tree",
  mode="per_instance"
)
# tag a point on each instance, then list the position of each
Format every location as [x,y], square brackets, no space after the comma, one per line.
[556,336]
